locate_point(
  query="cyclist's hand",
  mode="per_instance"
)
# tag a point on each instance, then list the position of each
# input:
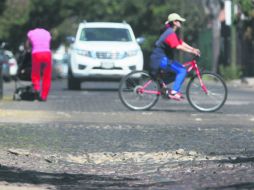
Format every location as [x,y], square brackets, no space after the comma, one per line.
[196,52]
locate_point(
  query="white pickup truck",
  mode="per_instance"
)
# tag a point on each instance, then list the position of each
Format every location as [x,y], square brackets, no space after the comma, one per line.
[103,51]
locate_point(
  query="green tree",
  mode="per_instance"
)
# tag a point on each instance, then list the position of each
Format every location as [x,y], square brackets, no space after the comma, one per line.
[247,7]
[2,6]
[14,15]
[62,17]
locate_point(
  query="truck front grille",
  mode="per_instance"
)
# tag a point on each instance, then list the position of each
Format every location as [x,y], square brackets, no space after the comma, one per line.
[108,55]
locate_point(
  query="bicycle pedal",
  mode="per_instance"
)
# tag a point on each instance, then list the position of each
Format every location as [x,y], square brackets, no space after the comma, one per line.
[165,92]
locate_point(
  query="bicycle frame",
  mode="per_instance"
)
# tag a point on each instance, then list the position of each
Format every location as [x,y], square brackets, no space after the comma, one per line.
[142,89]
[193,65]
[190,65]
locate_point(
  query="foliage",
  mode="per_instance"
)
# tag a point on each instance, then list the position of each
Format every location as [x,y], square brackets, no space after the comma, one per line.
[2,6]
[248,7]
[14,14]
[147,17]
[229,72]
[62,16]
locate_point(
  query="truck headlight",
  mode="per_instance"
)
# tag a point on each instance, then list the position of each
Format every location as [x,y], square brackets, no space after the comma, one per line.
[131,53]
[83,52]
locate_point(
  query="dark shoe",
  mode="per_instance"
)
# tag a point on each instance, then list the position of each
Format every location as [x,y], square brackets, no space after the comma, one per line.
[36,95]
[42,100]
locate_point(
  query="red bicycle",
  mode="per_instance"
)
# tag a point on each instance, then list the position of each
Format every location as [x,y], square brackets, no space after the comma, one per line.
[205,91]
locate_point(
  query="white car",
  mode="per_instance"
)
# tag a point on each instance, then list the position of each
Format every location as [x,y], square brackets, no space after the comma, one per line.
[103,51]
[60,63]
[10,66]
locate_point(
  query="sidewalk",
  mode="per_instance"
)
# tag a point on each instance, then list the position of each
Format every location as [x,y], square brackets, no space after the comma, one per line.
[247,81]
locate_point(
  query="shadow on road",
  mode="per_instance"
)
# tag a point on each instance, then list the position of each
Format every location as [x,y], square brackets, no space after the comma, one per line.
[62,181]
[90,89]
[65,181]
[234,186]
[239,160]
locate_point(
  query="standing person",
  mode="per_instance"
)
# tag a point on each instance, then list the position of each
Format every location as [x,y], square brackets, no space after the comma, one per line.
[39,40]
[162,57]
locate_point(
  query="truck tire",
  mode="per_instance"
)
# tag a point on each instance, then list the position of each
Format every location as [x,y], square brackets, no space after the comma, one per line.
[72,82]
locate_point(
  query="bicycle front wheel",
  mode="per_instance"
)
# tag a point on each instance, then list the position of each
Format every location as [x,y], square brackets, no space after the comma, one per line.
[211,99]
[138,91]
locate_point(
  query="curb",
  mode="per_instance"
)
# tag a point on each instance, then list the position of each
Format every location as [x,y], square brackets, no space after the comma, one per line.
[247,81]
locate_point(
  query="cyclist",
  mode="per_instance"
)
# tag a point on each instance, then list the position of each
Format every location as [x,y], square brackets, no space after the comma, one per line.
[162,57]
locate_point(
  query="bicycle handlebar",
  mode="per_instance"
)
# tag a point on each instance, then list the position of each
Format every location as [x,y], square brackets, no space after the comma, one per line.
[196,57]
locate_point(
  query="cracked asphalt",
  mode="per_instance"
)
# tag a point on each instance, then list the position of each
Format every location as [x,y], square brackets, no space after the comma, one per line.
[88,140]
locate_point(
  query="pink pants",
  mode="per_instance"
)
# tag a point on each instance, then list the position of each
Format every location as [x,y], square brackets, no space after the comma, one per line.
[41,67]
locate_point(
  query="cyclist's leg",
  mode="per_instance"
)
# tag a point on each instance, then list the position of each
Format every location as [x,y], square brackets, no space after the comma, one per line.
[154,65]
[181,72]
[164,74]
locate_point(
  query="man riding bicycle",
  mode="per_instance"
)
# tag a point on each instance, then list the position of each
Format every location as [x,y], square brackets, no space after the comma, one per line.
[162,57]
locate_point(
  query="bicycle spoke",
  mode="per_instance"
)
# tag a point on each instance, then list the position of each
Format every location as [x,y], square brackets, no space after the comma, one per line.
[214,98]
[138,91]
[131,82]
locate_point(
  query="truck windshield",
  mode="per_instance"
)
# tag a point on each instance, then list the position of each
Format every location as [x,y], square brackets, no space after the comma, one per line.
[105,34]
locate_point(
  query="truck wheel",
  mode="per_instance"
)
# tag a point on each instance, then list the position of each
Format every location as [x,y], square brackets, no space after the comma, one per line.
[73,83]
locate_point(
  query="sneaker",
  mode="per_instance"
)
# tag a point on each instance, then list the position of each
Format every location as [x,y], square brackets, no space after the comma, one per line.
[182,97]
[176,96]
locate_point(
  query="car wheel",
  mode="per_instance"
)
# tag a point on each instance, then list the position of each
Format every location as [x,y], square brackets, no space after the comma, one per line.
[73,83]
[7,79]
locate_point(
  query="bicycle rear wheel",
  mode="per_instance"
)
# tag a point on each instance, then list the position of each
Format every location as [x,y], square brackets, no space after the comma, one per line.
[216,94]
[138,91]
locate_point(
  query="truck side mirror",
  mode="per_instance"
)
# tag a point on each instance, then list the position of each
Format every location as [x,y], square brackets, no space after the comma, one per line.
[140,40]
[70,39]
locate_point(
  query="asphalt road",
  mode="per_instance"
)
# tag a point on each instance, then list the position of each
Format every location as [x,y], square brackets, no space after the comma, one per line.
[88,140]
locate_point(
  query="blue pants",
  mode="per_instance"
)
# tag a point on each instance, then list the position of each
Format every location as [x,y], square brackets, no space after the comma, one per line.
[168,65]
